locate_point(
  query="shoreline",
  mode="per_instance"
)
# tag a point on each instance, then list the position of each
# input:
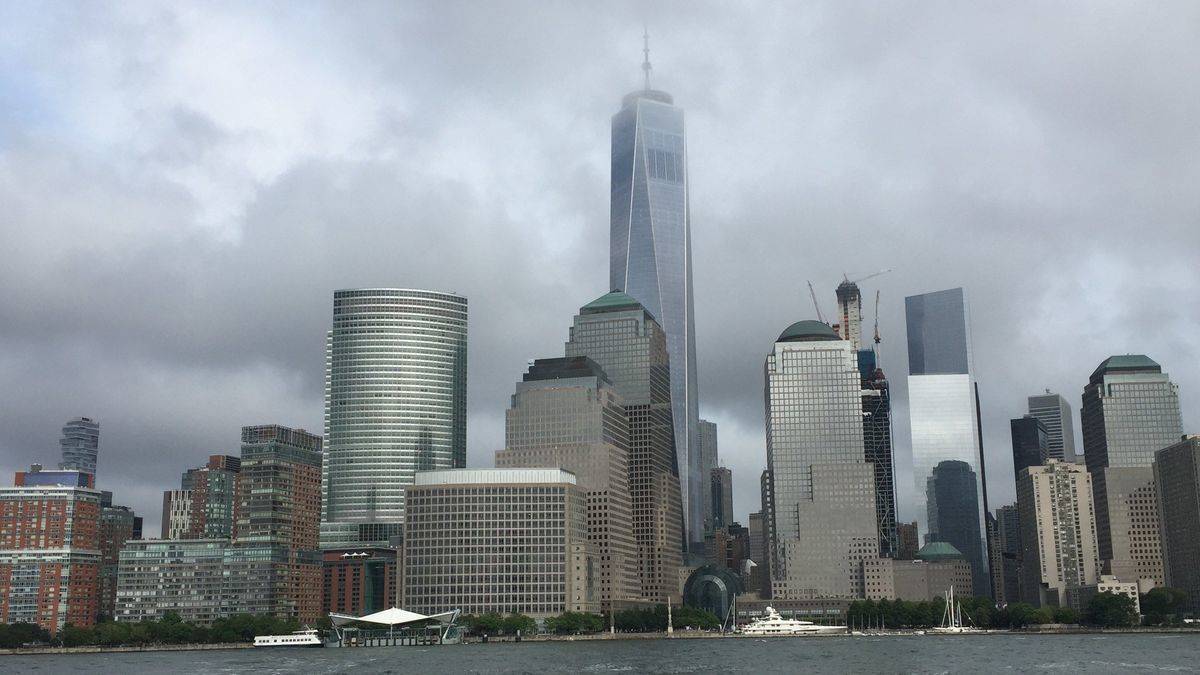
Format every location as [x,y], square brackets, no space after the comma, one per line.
[601,637]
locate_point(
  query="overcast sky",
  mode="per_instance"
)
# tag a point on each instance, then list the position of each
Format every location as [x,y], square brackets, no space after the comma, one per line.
[182,188]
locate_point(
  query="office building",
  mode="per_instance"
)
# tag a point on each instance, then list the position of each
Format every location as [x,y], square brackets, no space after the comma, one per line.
[1058,532]
[1030,443]
[822,493]
[651,258]
[952,490]
[1177,481]
[360,581]
[279,488]
[933,570]
[118,525]
[877,448]
[728,547]
[80,444]
[758,550]
[1055,414]
[212,489]
[709,460]
[176,514]
[49,555]
[567,414]
[1130,411]
[942,409]
[630,346]
[1009,548]
[498,540]
[908,542]
[721,493]
[395,404]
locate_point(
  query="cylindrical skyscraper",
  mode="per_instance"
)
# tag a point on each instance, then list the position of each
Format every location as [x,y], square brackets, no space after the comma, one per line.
[395,404]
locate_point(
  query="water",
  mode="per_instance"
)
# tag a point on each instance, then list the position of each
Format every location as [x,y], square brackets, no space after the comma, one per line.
[1113,653]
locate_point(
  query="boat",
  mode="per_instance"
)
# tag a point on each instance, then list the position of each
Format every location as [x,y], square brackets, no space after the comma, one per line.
[952,623]
[309,637]
[774,624]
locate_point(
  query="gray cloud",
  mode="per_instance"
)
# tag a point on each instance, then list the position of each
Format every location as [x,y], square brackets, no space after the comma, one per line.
[182,190]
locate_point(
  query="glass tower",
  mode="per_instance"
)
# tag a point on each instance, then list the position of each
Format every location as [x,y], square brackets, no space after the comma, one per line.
[651,258]
[941,405]
[395,404]
[80,445]
[708,461]
[1055,413]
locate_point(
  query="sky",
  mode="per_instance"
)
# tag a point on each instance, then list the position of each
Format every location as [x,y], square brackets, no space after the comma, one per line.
[183,186]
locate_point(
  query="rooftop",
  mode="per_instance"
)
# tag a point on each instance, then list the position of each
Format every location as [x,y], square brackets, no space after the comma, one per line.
[494,476]
[611,302]
[939,550]
[564,368]
[808,331]
[1127,363]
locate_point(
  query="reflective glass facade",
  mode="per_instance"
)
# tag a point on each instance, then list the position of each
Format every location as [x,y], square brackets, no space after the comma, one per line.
[80,445]
[941,404]
[1055,413]
[395,403]
[651,258]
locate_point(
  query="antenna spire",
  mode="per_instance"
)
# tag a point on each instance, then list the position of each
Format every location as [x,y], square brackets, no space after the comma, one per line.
[646,52]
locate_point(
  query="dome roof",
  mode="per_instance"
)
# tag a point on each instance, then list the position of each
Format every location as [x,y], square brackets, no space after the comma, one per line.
[939,550]
[808,331]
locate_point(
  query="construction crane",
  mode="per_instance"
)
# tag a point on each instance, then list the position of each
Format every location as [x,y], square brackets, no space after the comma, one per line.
[815,305]
[877,316]
[846,277]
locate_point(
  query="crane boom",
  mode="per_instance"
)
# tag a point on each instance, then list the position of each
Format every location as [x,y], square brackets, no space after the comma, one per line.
[877,316]
[815,305]
[871,276]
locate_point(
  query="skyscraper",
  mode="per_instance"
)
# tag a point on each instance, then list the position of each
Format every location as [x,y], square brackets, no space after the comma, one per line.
[1030,443]
[279,489]
[80,445]
[118,525]
[651,256]
[1054,412]
[1177,478]
[952,490]
[395,404]
[708,461]
[212,489]
[567,414]
[721,492]
[1058,532]
[1130,411]
[627,342]
[822,494]
[877,447]
[941,402]
[1008,526]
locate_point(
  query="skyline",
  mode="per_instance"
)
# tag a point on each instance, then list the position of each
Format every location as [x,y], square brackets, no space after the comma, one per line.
[221,336]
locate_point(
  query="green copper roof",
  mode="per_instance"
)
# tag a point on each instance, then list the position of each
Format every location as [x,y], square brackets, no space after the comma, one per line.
[1126,363]
[939,550]
[610,302]
[808,331]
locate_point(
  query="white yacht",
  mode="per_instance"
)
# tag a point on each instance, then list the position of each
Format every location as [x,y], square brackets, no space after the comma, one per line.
[308,637]
[952,623]
[774,624]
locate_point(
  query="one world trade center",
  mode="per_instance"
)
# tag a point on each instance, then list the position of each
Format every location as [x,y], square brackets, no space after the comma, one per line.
[651,257]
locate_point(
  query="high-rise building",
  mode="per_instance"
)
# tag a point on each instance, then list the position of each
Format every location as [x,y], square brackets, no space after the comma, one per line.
[80,445]
[360,581]
[498,540]
[1055,413]
[567,414]
[1058,531]
[212,488]
[1030,443]
[877,447]
[767,502]
[279,488]
[628,343]
[721,491]
[184,576]
[1008,525]
[118,525]
[395,404]
[176,514]
[758,549]
[952,502]
[822,494]
[708,461]
[49,555]
[908,541]
[1130,411]
[849,325]
[729,547]
[651,257]
[36,475]
[942,406]
[1177,479]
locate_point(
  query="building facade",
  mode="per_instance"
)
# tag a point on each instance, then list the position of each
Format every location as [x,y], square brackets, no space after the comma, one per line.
[1055,413]
[1130,411]
[951,491]
[279,488]
[176,514]
[630,346]
[1177,482]
[395,404]
[1008,526]
[822,493]
[50,555]
[213,493]
[360,581]
[1059,546]
[498,540]
[709,460]
[1030,443]
[908,541]
[877,448]
[80,445]
[567,414]
[721,493]
[651,258]
[118,525]
[936,568]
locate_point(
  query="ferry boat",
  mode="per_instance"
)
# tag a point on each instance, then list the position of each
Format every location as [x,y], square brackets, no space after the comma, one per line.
[774,624]
[952,623]
[308,637]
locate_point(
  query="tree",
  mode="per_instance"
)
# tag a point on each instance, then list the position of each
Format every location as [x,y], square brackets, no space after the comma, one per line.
[514,622]
[1162,605]
[1018,615]
[1065,615]
[1109,610]
[20,634]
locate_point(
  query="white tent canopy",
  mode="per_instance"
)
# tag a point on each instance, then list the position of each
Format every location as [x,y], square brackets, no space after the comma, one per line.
[393,617]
